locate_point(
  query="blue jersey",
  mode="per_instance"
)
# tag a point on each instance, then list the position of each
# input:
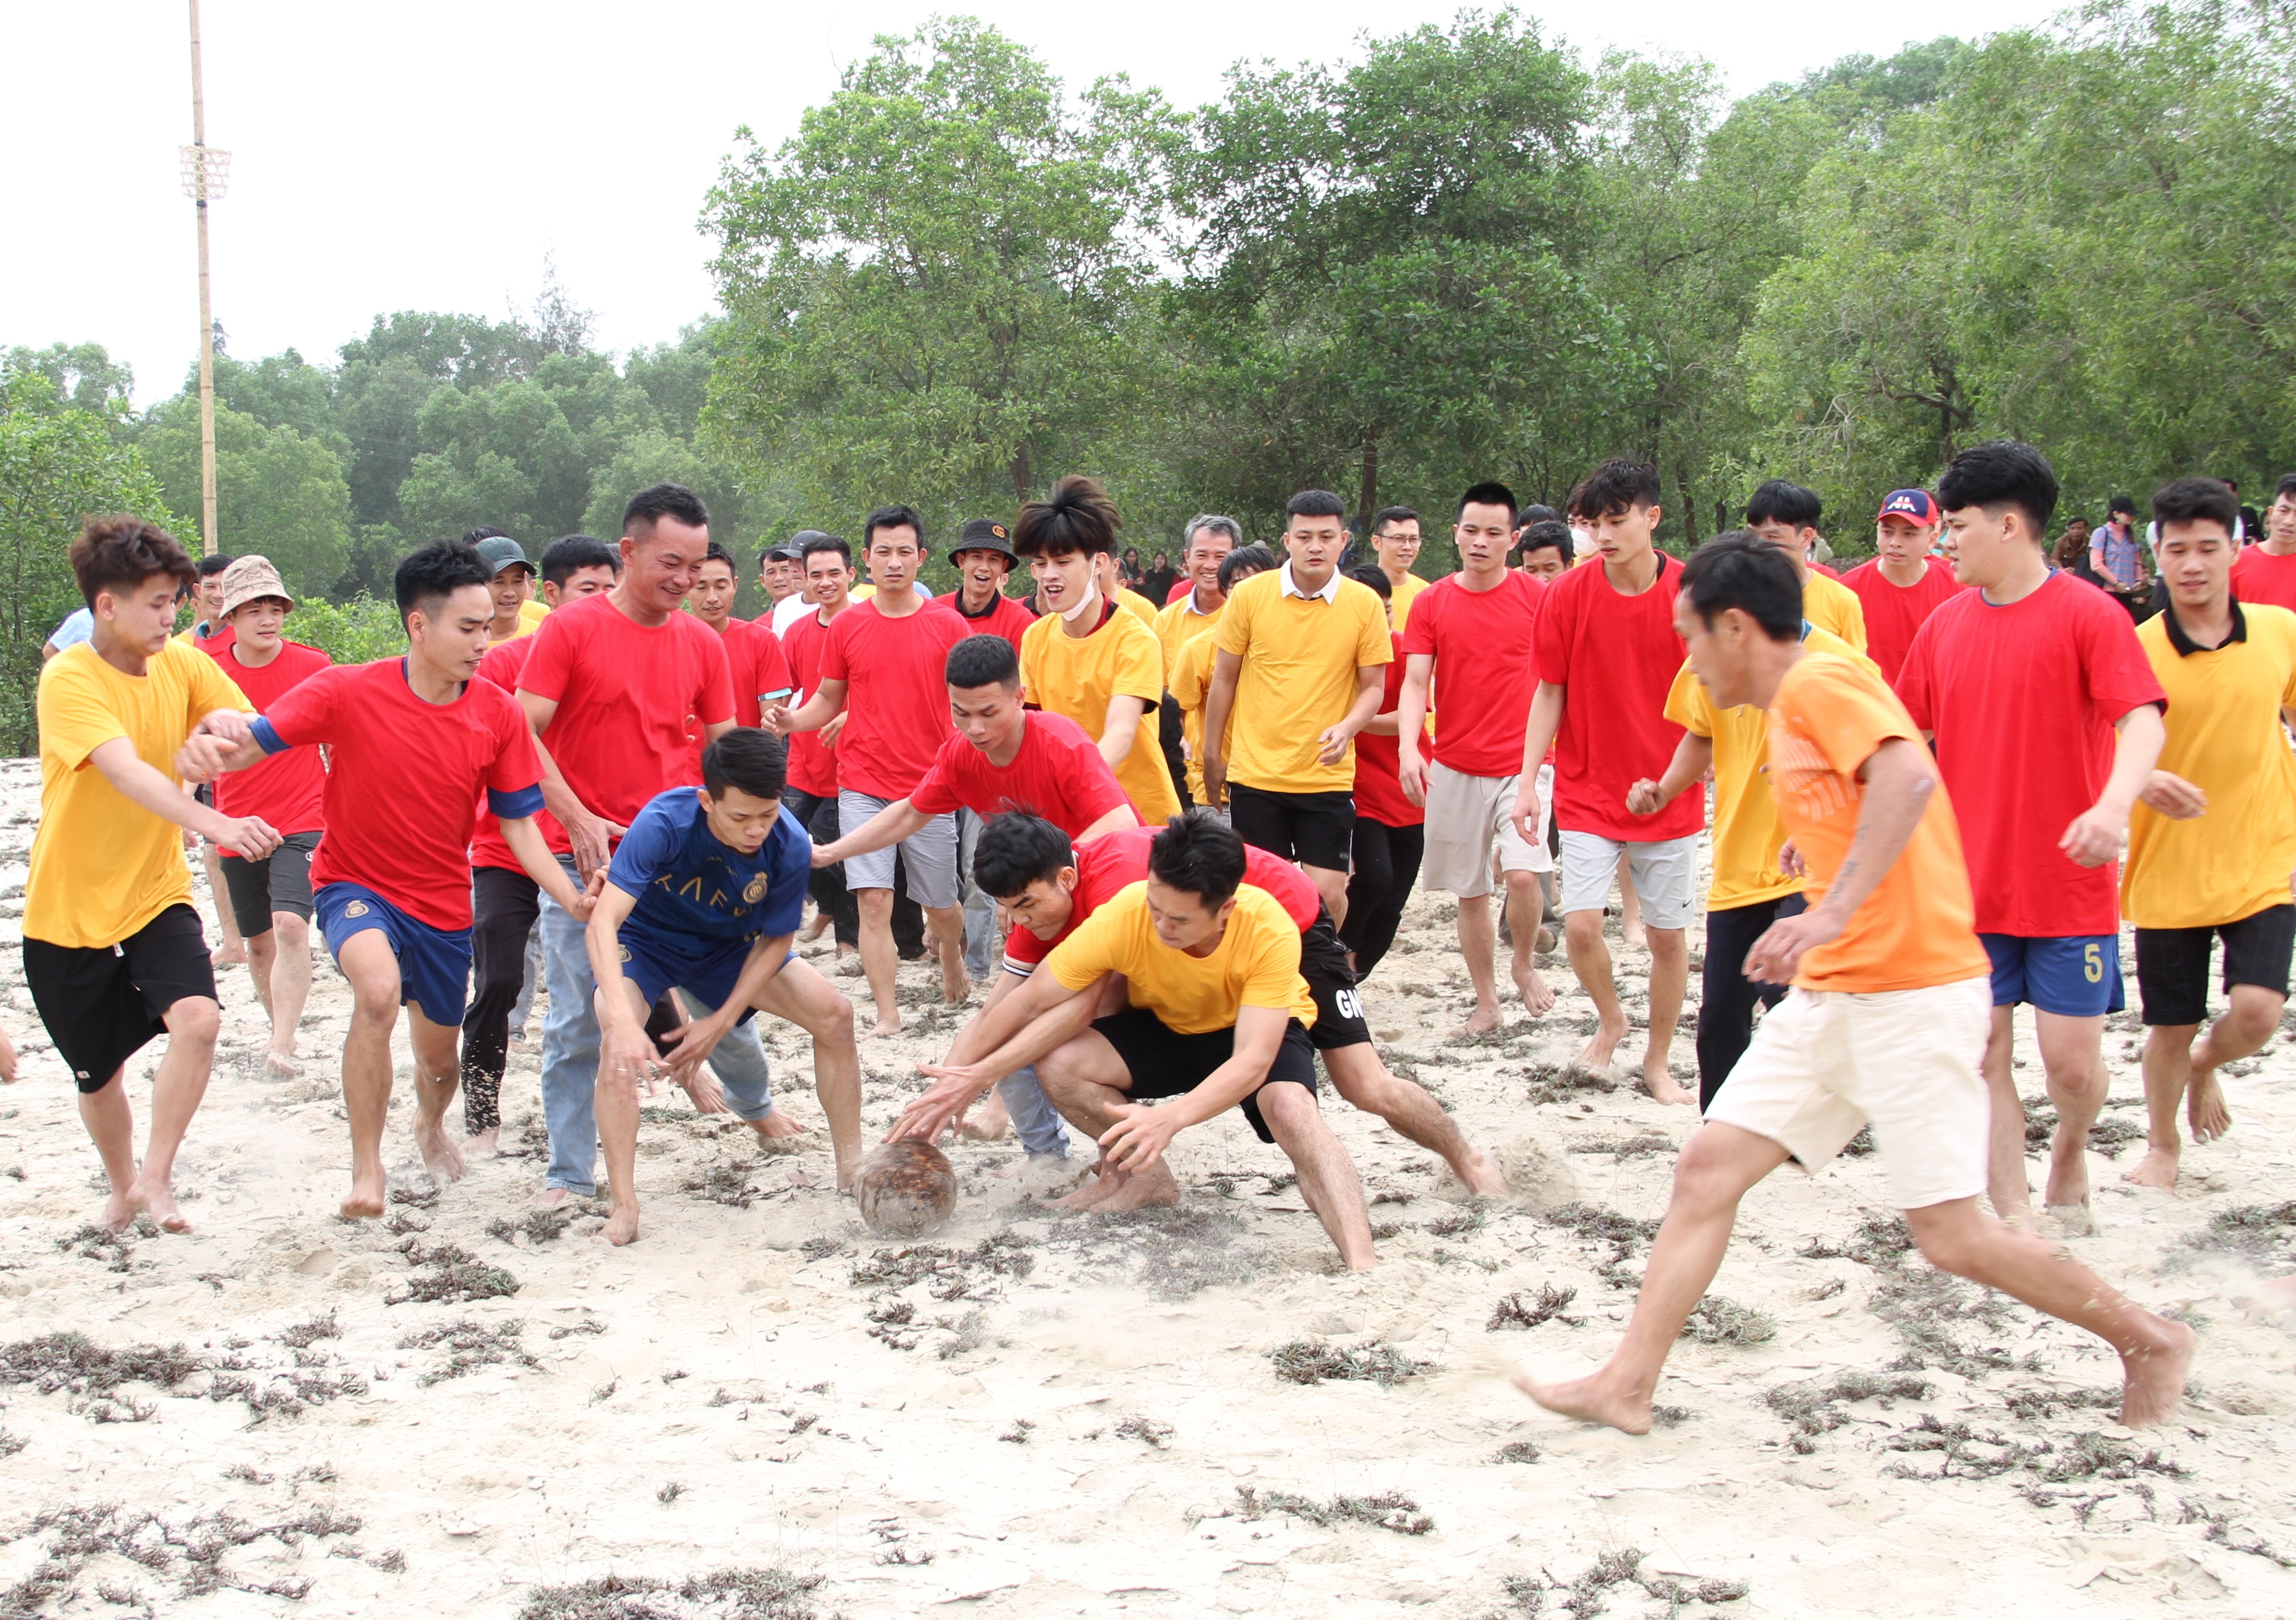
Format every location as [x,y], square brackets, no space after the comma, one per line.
[689,886]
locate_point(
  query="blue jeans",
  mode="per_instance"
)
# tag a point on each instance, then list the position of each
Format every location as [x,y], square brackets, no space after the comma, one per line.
[570,1054]
[981,935]
[1034,1120]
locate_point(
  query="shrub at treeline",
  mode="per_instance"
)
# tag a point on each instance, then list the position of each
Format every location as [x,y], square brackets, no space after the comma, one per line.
[1464,252]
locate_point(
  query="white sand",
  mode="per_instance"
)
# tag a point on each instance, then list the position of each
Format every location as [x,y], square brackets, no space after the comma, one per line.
[733,1364]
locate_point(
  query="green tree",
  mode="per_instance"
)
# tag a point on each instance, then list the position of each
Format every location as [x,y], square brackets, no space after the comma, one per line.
[931,290]
[59,464]
[278,493]
[80,377]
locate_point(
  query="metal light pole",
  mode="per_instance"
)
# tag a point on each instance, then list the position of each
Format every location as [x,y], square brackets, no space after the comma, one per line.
[206,172]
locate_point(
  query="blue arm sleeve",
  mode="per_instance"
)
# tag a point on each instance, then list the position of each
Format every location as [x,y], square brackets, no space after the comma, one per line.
[510,807]
[271,742]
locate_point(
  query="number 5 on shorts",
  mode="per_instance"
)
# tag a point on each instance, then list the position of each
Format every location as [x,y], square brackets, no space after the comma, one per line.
[2093,962]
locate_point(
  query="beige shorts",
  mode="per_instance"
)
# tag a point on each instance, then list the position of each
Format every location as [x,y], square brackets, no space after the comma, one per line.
[1824,1062]
[1463,814]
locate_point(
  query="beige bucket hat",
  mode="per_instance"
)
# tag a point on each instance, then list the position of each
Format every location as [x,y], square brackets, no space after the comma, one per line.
[251,579]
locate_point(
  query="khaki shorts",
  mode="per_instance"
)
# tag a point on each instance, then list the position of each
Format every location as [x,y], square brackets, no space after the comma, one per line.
[1825,1062]
[1463,814]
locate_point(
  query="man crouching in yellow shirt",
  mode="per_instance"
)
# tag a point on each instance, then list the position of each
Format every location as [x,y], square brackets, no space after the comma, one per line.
[1214,1015]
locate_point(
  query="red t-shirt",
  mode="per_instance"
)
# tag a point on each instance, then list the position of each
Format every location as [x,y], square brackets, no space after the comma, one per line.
[2259,576]
[1115,861]
[1179,589]
[501,666]
[2023,699]
[1006,616]
[288,789]
[1618,656]
[1819,568]
[403,783]
[753,657]
[1058,774]
[896,672]
[1893,612]
[1481,641]
[812,766]
[1379,793]
[631,702]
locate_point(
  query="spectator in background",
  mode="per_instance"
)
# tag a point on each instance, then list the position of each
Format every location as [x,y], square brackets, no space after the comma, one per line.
[2252,523]
[1395,541]
[1903,585]
[1161,577]
[788,609]
[1544,548]
[2117,557]
[781,570]
[1131,573]
[2267,572]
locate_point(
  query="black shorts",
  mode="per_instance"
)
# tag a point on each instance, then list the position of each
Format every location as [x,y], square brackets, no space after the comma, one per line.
[1324,964]
[101,1003]
[279,882]
[2172,964]
[1164,1063]
[1313,829]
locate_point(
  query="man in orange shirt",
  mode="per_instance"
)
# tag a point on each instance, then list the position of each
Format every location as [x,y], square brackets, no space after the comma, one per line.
[1887,1020]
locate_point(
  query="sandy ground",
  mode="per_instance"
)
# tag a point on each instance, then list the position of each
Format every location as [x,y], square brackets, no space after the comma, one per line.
[1046,1414]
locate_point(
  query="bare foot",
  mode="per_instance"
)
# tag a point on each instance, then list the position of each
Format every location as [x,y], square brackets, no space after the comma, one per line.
[1482,1177]
[1158,1186]
[549,1197]
[888,1024]
[956,989]
[622,1227]
[2069,1220]
[440,1157]
[228,956]
[815,929]
[1482,1020]
[1531,985]
[2157,1168]
[2204,1107]
[2152,1381]
[1637,939]
[280,1066]
[2068,1180]
[1543,941]
[992,1122]
[1102,1184]
[846,1169]
[365,1202]
[700,1086]
[1591,1400]
[158,1200]
[776,1124]
[1659,1081]
[488,1142]
[1601,1048]
[121,1209]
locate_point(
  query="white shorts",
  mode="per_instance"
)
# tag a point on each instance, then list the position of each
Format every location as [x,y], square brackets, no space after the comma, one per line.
[1824,1062]
[1462,813]
[930,852]
[1665,874]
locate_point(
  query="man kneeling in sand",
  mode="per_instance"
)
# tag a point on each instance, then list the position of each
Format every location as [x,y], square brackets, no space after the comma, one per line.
[1218,1016]
[705,894]
[1886,1022]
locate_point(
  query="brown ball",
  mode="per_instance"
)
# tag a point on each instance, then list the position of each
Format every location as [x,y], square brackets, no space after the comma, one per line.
[906,1189]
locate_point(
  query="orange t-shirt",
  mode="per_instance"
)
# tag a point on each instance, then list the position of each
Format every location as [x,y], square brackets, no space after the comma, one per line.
[1918,927]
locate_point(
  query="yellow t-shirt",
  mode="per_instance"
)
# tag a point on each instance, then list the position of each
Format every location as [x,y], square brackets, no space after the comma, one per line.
[1255,964]
[1176,623]
[1747,832]
[2234,858]
[531,613]
[102,866]
[1138,606]
[1189,678]
[1405,594]
[1300,654]
[1077,675]
[1833,606]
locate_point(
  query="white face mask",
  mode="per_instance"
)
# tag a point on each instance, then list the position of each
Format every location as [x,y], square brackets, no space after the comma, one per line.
[1091,601]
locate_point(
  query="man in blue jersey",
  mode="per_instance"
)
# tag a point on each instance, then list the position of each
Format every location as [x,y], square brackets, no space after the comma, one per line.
[705,894]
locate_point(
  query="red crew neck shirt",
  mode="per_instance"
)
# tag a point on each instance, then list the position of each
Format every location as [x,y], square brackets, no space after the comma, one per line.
[288,789]
[501,666]
[405,779]
[896,672]
[631,700]
[812,766]
[2023,699]
[1617,656]
[2259,576]
[760,672]
[1894,612]
[1058,774]
[1115,861]
[1180,588]
[1006,616]
[1379,789]
[1481,643]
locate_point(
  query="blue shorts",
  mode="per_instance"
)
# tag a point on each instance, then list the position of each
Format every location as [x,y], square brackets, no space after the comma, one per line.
[656,966]
[434,964]
[2077,976]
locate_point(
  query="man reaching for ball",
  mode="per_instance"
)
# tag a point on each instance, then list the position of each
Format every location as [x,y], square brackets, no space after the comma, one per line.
[704,894]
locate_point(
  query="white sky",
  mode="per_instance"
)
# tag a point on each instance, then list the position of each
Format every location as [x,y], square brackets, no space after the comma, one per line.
[430,154]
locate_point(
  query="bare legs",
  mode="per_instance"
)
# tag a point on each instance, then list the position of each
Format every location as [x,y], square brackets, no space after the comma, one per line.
[369,963]
[177,1085]
[2072,1060]
[279,959]
[1590,959]
[1333,886]
[1364,1082]
[806,999]
[879,959]
[1479,944]
[232,952]
[2177,1068]
[1718,1166]
[1630,908]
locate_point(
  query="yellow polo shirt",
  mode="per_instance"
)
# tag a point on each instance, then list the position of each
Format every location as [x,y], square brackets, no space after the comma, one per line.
[1747,832]
[1255,964]
[2234,858]
[1077,675]
[1300,654]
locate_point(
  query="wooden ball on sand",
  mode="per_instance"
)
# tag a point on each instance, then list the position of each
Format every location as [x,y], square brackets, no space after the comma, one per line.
[906,1189]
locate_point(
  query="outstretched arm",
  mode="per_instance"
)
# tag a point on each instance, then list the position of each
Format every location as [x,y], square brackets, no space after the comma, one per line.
[248,836]
[891,825]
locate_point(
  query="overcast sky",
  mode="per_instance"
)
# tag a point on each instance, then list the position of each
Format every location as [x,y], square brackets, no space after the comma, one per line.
[432,155]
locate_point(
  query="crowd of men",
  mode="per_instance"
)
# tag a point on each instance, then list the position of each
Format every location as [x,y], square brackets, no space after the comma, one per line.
[1202,819]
